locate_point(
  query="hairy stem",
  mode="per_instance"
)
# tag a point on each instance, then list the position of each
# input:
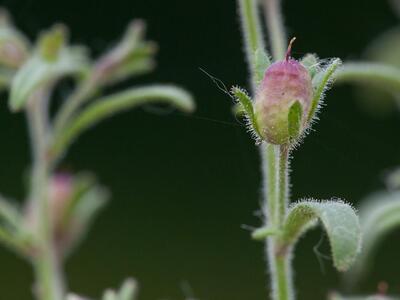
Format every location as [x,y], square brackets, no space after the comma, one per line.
[252,33]
[49,280]
[274,159]
[276,30]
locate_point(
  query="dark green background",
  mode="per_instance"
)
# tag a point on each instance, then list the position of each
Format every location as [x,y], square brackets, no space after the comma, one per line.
[183,185]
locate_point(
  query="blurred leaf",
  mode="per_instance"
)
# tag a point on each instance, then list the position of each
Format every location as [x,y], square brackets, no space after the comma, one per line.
[378,86]
[110,295]
[131,56]
[75,297]
[85,208]
[12,232]
[340,222]
[262,62]
[128,290]
[14,46]
[379,215]
[392,180]
[108,106]
[335,296]
[320,84]
[51,61]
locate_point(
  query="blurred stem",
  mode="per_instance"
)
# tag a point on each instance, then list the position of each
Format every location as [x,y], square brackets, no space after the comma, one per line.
[364,72]
[85,90]
[276,30]
[274,159]
[252,33]
[46,263]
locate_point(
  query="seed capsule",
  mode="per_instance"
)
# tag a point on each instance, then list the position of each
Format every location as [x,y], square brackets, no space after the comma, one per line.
[285,83]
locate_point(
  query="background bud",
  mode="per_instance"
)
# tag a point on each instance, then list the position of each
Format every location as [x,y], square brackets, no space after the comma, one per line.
[13,45]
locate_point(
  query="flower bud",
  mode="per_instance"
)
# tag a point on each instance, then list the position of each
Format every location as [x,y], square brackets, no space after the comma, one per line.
[285,83]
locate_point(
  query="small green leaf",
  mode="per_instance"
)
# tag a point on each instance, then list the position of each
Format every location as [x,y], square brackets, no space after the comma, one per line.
[339,221]
[311,62]
[261,234]
[294,120]
[245,101]
[320,83]
[262,62]
[379,215]
[109,105]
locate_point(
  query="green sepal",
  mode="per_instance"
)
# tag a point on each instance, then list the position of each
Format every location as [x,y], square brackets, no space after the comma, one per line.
[246,103]
[320,84]
[295,120]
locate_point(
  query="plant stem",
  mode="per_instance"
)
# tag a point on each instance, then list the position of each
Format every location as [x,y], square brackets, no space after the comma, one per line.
[72,103]
[276,30]
[274,159]
[252,33]
[46,263]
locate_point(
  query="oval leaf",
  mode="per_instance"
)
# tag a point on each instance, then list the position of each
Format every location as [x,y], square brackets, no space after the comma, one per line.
[340,222]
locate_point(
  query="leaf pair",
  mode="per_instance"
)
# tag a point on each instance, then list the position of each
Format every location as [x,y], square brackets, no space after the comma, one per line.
[338,219]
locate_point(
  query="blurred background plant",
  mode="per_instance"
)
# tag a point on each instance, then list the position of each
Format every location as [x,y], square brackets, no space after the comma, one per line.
[60,206]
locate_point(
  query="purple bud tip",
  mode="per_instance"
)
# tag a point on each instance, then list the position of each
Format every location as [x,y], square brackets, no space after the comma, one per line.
[285,82]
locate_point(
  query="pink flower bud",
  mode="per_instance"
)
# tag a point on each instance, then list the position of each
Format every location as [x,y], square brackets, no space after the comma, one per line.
[61,187]
[285,83]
